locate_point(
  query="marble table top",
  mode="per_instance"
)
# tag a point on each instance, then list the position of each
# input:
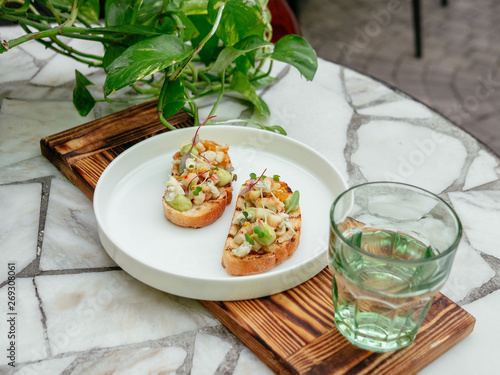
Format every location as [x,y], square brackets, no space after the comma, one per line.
[79,313]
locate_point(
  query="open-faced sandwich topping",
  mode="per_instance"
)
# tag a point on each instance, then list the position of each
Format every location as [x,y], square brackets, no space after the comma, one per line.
[266,226]
[203,173]
[200,185]
[265,216]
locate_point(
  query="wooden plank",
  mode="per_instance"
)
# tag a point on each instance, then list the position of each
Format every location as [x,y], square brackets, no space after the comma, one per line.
[82,153]
[293,332]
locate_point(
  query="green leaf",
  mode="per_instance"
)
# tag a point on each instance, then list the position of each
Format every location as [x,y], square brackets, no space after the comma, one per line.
[296,51]
[239,19]
[211,48]
[292,203]
[276,129]
[132,34]
[194,7]
[143,59]
[174,98]
[121,12]
[241,84]
[249,239]
[243,64]
[229,54]
[129,30]
[118,12]
[263,82]
[148,12]
[82,99]
[89,10]
[185,26]
[110,55]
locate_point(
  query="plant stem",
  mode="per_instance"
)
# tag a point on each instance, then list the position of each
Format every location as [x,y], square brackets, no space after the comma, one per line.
[49,5]
[38,17]
[221,94]
[188,85]
[194,108]
[164,121]
[274,129]
[198,48]
[145,90]
[137,5]
[161,103]
[46,32]
[72,16]
[194,112]
[194,72]
[68,9]
[162,9]
[178,25]
[71,51]
[127,100]
[68,54]
[255,78]
[21,9]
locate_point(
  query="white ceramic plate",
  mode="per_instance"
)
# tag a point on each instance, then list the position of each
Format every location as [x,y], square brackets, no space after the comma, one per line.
[187,262]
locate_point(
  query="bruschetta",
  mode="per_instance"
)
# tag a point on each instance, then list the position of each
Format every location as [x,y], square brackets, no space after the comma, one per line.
[265,229]
[200,185]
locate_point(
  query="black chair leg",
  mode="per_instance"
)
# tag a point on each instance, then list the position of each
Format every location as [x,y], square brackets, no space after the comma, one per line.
[417,27]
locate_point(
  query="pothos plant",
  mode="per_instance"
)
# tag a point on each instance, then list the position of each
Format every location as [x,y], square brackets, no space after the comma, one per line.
[175,50]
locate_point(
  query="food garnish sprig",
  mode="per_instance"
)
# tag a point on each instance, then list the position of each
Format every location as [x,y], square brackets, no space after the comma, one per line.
[182,164]
[253,182]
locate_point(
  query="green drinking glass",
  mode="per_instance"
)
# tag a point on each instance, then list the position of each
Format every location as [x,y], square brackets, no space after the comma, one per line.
[391,250]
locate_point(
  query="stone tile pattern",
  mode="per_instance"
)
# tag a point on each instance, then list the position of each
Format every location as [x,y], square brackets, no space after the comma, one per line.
[458,74]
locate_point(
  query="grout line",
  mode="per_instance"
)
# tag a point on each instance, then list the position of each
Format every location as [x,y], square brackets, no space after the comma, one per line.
[43,320]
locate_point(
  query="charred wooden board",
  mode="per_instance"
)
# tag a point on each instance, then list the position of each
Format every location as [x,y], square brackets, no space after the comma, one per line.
[293,332]
[82,153]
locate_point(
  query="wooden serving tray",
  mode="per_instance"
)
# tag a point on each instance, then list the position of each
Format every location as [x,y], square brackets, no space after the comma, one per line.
[293,332]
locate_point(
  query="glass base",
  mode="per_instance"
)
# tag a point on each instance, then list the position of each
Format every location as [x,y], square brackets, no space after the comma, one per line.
[372,338]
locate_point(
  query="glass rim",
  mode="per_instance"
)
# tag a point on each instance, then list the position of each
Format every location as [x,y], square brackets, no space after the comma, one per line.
[442,254]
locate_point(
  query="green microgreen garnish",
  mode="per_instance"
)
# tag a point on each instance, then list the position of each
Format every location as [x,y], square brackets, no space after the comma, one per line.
[245,213]
[197,190]
[252,184]
[258,231]
[276,177]
[190,182]
[249,239]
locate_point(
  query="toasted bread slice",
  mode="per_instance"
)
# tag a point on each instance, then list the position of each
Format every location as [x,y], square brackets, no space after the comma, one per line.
[198,182]
[287,227]
[202,215]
